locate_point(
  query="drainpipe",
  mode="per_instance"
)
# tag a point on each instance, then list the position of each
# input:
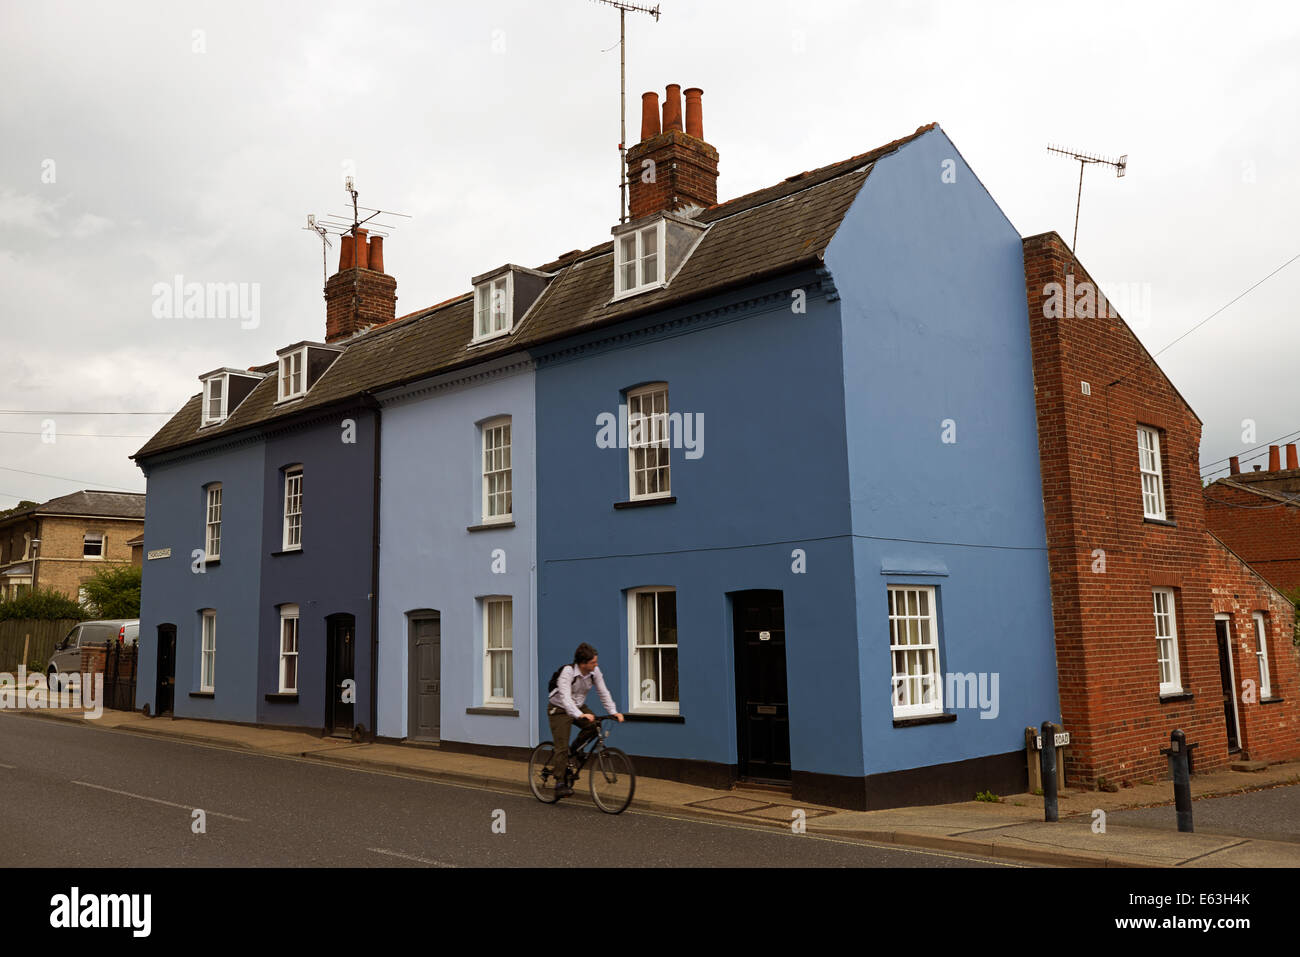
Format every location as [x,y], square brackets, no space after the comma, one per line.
[369,402]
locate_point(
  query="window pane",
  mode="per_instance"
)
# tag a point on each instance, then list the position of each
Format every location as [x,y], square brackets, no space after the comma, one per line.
[667,617]
[645,618]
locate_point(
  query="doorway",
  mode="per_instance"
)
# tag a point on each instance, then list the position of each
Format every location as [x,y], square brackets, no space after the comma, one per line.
[1223,631]
[164,698]
[340,673]
[762,704]
[424,660]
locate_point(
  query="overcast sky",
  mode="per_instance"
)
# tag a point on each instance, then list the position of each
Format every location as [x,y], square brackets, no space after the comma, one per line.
[142,141]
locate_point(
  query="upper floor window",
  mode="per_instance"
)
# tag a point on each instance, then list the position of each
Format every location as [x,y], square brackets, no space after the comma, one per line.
[1261,654]
[492,306]
[498,502]
[498,651]
[293,375]
[639,260]
[92,545]
[1166,612]
[214,400]
[212,523]
[648,442]
[292,509]
[917,680]
[1153,484]
[652,641]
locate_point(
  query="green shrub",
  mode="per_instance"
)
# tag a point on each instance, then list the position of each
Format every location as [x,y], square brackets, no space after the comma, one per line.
[44,604]
[114,592]
[988,796]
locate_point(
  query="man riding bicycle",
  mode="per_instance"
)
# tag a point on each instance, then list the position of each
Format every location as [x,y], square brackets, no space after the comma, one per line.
[567,708]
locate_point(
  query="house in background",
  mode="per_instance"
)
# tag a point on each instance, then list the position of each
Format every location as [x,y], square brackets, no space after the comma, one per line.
[62,543]
[1257,514]
[1158,624]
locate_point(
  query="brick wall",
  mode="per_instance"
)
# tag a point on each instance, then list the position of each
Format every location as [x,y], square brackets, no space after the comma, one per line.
[685,172]
[357,298]
[1263,531]
[1105,558]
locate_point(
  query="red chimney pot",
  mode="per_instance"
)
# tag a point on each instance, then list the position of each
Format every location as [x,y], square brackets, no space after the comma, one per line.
[376,254]
[673,108]
[1234,466]
[346,254]
[1274,459]
[694,113]
[362,249]
[649,116]
[1291,462]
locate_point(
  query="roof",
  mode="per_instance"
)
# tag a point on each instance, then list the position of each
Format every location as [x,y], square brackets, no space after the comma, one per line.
[128,505]
[769,232]
[1282,498]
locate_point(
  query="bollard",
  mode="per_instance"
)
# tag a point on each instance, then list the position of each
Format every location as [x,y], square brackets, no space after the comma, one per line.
[1179,771]
[1047,762]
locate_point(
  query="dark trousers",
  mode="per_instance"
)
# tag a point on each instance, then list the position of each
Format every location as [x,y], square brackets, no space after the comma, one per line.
[561,722]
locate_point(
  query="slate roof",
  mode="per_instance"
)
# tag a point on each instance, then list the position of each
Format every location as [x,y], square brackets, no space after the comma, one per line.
[100,504]
[765,233]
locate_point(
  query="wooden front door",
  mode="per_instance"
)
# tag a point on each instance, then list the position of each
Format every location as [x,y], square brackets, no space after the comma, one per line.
[165,688]
[425,678]
[341,685]
[1223,631]
[762,704]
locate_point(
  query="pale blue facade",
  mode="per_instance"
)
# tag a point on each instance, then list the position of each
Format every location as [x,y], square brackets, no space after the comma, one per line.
[436,557]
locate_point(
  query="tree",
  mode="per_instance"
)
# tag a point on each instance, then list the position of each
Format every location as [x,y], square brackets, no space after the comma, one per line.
[44,604]
[24,504]
[114,592]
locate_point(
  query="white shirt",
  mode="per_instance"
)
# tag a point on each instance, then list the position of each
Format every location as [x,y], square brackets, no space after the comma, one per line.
[571,689]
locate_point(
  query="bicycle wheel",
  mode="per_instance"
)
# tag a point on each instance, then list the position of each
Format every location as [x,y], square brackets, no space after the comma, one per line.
[613,782]
[541,773]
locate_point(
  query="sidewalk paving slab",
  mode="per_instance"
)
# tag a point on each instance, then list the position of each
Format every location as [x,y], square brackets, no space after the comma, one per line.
[1010,830]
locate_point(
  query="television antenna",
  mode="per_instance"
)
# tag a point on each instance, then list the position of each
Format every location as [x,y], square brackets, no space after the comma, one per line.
[1084,159]
[623,10]
[337,224]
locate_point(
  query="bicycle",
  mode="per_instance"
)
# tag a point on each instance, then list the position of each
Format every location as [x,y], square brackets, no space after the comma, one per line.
[613,781]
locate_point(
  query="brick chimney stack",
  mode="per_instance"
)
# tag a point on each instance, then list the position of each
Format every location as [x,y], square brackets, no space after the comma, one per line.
[672,166]
[360,294]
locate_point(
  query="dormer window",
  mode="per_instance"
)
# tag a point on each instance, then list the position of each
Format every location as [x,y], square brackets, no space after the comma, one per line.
[223,390]
[638,260]
[214,400]
[503,297]
[649,252]
[293,374]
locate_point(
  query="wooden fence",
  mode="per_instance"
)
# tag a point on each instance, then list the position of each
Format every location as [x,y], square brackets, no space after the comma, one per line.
[44,635]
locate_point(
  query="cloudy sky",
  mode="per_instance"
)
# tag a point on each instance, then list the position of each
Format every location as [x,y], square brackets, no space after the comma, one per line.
[144,141]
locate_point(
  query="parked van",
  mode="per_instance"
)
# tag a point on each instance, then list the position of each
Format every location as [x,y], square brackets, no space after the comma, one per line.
[89,634]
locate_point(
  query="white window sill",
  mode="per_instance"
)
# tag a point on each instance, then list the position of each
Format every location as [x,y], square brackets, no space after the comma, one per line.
[492,336]
[290,398]
[629,293]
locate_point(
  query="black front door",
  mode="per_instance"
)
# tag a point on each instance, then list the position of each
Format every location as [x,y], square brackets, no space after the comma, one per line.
[341,686]
[763,707]
[165,690]
[425,657]
[1225,676]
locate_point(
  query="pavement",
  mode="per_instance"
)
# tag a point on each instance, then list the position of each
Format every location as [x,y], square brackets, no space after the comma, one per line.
[1011,829]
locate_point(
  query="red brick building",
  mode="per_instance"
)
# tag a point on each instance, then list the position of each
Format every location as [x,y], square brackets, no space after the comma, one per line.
[1137,579]
[1257,515]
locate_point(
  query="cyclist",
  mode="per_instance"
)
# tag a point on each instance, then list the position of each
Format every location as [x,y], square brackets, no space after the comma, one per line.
[567,709]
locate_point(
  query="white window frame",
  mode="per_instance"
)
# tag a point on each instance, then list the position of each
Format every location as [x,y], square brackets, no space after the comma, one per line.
[504,473]
[103,546]
[212,523]
[917,623]
[288,373]
[1261,656]
[1165,617]
[484,299]
[658,426]
[641,241]
[224,382]
[289,613]
[635,645]
[1153,473]
[208,651]
[505,648]
[291,473]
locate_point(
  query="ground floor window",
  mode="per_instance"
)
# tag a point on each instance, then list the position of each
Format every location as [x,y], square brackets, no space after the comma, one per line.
[1261,653]
[917,682]
[288,649]
[208,666]
[652,641]
[1166,613]
[498,651]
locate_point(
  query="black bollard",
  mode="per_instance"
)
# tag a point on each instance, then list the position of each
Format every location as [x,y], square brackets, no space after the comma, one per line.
[1179,771]
[1047,764]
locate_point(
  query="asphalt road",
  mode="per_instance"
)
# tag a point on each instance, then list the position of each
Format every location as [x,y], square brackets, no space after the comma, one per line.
[57,779]
[1272,814]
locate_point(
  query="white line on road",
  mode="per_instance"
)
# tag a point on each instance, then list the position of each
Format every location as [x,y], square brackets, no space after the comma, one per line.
[141,797]
[408,857]
[9,767]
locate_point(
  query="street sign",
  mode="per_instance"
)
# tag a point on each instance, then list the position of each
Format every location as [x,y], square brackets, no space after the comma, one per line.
[1061,740]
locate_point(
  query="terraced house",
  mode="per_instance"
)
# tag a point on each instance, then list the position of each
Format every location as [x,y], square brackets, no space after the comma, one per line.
[774,457]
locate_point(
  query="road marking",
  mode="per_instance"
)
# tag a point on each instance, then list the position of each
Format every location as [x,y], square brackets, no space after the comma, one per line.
[408,857]
[142,797]
[8,767]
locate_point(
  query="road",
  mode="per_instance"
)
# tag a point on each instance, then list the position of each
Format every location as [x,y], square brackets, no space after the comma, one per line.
[76,796]
[1272,814]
